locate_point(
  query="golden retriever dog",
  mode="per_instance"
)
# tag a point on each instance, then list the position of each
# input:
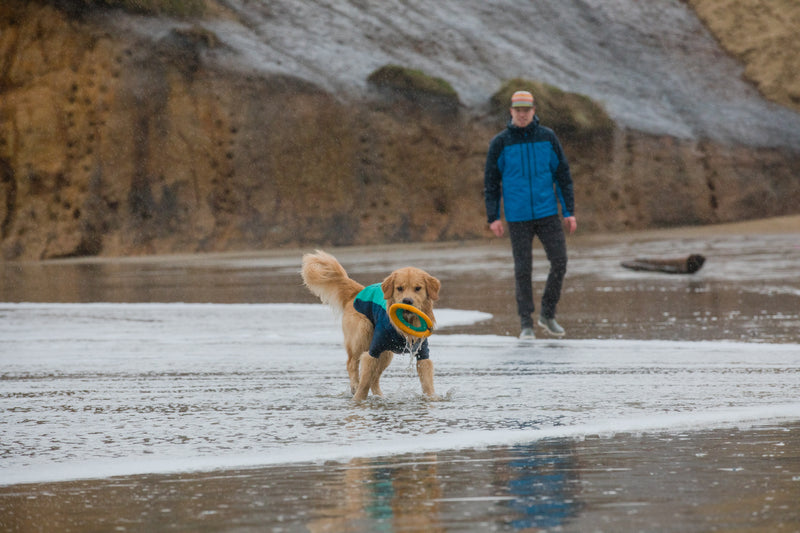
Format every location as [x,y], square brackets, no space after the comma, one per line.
[370,339]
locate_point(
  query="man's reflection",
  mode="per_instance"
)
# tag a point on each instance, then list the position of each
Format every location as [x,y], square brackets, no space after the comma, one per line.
[543,478]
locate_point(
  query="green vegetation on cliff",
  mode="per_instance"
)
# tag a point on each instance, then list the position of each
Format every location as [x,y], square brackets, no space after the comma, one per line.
[413,83]
[569,114]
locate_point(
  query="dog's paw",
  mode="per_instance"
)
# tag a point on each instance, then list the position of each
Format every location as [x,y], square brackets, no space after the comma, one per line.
[448,396]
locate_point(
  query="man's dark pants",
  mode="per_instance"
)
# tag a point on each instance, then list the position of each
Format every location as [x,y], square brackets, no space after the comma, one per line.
[551,235]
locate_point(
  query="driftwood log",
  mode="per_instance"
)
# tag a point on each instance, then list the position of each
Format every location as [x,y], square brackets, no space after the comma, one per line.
[678,265]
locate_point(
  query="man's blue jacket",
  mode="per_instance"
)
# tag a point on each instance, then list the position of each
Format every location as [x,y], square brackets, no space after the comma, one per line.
[529,167]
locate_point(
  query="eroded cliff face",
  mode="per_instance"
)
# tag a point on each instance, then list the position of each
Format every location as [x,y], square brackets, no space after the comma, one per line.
[112,143]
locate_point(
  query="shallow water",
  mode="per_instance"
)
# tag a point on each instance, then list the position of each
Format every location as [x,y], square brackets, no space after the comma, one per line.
[671,406]
[163,386]
[748,289]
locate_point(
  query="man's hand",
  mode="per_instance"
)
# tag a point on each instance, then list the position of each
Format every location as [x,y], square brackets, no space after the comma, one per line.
[497,228]
[570,225]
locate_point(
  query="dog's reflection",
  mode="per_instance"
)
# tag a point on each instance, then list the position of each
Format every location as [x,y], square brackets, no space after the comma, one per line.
[401,496]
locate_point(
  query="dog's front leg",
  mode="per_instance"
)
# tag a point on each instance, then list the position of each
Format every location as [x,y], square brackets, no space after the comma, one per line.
[369,372]
[425,373]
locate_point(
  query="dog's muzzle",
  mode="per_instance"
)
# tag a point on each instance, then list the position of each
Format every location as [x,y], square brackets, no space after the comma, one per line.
[408,316]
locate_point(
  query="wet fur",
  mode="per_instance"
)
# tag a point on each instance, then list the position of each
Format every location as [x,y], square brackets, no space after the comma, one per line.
[328,280]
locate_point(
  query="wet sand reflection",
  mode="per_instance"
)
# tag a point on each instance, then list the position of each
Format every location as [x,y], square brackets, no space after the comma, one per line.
[713,479]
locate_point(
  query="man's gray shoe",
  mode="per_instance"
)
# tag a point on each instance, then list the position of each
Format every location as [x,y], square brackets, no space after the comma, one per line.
[527,333]
[551,326]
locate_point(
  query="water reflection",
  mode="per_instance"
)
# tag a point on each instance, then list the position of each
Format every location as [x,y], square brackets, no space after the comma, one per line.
[378,495]
[544,481]
[518,488]
[747,291]
[707,480]
[524,487]
[595,303]
[143,281]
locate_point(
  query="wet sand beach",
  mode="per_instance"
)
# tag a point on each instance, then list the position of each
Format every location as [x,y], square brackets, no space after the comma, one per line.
[671,405]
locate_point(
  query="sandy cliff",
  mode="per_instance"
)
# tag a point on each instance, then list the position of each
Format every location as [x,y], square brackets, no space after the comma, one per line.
[121,134]
[763,35]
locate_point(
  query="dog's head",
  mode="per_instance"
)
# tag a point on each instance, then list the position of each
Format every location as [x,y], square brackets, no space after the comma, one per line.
[412,286]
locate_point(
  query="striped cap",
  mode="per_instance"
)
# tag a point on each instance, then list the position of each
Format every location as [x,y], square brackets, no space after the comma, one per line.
[522,99]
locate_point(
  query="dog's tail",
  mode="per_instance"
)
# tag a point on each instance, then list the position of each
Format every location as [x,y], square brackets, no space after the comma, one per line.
[327,279]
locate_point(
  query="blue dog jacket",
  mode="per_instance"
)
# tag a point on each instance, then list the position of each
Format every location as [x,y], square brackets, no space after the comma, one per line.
[371,303]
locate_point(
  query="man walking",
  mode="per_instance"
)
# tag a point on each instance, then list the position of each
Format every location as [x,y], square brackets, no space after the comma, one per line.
[527,167]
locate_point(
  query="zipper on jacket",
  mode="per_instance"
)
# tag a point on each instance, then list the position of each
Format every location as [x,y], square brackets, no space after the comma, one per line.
[532,176]
[524,163]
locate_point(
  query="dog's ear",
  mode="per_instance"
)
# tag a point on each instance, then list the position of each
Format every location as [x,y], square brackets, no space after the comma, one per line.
[432,286]
[388,287]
